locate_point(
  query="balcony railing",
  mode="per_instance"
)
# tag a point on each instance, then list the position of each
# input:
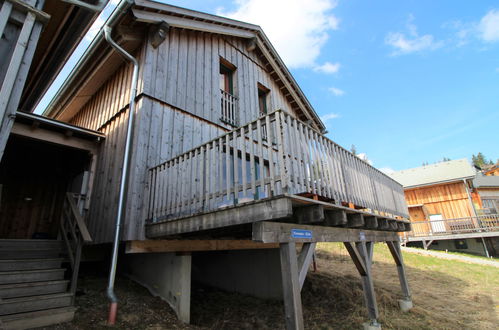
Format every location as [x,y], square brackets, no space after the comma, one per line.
[229,108]
[484,223]
[270,156]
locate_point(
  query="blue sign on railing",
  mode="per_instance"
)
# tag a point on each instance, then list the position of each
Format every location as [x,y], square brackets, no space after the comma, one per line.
[301,233]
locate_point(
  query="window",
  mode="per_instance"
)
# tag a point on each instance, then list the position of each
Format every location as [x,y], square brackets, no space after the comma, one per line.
[227,100]
[263,92]
[490,205]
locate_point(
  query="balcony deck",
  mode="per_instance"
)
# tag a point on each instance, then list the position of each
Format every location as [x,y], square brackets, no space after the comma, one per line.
[270,169]
[459,228]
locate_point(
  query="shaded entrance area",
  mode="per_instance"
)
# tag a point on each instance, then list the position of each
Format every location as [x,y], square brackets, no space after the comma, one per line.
[34,178]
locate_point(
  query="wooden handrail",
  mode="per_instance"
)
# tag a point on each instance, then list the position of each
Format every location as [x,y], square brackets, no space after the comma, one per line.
[272,155]
[72,222]
[82,227]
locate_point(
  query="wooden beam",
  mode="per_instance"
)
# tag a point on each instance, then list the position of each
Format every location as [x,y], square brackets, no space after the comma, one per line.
[291,286]
[274,232]
[336,217]
[366,251]
[152,246]
[186,23]
[355,220]
[371,222]
[304,260]
[309,214]
[271,209]
[54,137]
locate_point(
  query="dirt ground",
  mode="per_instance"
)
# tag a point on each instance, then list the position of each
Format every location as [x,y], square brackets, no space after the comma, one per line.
[446,294]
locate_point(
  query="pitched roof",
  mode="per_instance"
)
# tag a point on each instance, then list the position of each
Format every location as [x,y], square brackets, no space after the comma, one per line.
[453,170]
[484,181]
[147,11]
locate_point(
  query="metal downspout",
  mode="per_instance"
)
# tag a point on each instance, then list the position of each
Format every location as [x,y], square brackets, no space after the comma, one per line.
[124,175]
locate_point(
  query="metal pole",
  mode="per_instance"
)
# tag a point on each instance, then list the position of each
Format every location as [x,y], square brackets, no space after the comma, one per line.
[124,175]
[485,248]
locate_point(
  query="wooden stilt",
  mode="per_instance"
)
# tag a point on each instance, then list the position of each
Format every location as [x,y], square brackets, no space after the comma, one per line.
[291,286]
[406,303]
[361,254]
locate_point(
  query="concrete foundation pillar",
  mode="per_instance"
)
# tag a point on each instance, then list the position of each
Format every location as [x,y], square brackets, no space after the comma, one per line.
[166,275]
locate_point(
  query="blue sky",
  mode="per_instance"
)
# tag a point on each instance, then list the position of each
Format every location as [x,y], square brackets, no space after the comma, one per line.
[406,82]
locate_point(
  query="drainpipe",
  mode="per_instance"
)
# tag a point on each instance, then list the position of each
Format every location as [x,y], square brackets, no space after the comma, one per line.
[113,308]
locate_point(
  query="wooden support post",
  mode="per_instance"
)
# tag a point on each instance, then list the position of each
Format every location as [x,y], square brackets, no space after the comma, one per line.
[406,303]
[291,286]
[361,254]
[304,260]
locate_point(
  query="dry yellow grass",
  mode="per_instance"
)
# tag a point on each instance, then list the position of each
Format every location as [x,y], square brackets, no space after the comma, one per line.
[446,294]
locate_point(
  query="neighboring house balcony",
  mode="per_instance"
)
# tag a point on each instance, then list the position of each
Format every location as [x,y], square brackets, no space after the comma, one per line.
[468,227]
[259,164]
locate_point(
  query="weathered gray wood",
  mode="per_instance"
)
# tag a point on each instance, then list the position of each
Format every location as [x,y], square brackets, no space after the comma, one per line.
[4,15]
[355,220]
[335,217]
[309,214]
[37,319]
[274,232]
[365,250]
[273,209]
[291,286]
[394,248]
[304,260]
[371,222]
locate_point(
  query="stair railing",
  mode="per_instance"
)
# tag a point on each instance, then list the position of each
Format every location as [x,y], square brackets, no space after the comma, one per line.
[74,233]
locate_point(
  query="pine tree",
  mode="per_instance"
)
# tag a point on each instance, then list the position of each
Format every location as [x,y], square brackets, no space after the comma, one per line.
[479,160]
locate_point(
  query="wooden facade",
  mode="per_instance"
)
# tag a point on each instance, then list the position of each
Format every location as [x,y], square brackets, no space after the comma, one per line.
[178,109]
[450,200]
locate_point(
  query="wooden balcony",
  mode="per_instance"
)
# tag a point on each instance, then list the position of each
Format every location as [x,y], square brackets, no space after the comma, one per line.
[468,227]
[275,155]
[228,106]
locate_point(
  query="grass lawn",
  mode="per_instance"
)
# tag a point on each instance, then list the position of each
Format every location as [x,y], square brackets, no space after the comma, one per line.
[446,294]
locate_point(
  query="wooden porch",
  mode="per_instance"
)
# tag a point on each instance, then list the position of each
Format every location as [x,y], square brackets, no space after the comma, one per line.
[274,168]
[459,228]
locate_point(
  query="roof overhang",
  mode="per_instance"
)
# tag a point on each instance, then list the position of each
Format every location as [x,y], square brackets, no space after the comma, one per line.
[456,180]
[67,26]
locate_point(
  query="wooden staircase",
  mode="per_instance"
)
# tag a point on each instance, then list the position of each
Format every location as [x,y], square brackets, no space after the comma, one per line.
[33,288]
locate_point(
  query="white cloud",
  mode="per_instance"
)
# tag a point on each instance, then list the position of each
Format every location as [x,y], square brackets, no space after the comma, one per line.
[387,170]
[330,116]
[412,42]
[336,91]
[327,67]
[488,28]
[297,28]
[364,157]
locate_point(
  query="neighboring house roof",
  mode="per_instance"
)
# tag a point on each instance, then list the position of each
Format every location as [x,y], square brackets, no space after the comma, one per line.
[147,11]
[443,172]
[484,181]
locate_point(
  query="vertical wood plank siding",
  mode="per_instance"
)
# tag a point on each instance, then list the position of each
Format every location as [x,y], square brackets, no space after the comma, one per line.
[184,72]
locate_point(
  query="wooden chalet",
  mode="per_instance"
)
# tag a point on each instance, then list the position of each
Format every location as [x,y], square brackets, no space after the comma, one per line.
[225,153]
[451,207]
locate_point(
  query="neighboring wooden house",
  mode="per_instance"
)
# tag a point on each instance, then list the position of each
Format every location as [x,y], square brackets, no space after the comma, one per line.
[226,154]
[445,208]
[492,170]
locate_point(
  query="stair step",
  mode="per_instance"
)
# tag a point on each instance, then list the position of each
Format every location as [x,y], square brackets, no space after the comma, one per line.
[35,303]
[29,264]
[25,276]
[33,288]
[11,244]
[29,253]
[37,319]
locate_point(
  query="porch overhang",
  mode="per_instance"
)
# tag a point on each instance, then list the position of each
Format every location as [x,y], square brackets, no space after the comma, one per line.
[45,129]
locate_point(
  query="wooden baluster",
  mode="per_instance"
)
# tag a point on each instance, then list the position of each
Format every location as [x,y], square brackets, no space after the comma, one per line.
[236,164]
[243,160]
[260,157]
[270,155]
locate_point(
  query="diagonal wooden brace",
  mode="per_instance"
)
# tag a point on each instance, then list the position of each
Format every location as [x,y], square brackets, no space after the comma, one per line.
[406,303]
[291,286]
[362,255]
[304,260]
